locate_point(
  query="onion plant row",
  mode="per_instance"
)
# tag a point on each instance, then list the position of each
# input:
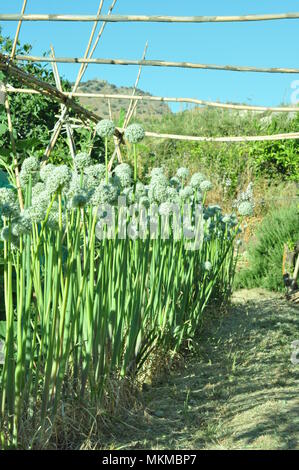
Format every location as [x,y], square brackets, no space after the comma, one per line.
[85,303]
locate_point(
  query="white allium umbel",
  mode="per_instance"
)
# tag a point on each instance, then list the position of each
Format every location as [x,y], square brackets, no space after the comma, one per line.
[123,168]
[22,225]
[186,193]
[166,208]
[30,164]
[96,171]
[105,128]
[158,193]
[104,194]
[183,173]
[205,186]
[157,171]
[37,189]
[129,194]
[9,209]
[134,133]
[123,179]
[172,194]
[30,168]
[82,160]
[9,206]
[141,189]
[123,174]
[8,236]
[226,219]
[159,179]
[245,208]
[46,170]
[79,199]
[208,266]
[175,182]
[7,195]
[144,202]
[59,179]
[196,180]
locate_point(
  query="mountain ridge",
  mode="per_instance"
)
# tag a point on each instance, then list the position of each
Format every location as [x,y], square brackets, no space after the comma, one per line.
[100,106]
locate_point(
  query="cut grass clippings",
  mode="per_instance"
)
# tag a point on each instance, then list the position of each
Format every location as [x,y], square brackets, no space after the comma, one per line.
[239,390]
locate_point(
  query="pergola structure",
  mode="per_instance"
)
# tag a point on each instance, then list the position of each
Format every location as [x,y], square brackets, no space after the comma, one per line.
[34,85]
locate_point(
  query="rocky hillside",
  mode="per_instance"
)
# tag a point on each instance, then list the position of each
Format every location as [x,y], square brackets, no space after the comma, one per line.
[100,106]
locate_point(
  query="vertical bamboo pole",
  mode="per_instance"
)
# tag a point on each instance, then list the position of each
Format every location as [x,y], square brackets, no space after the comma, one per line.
[59,87]
[81,72]
[15,43]
[129,111]
[13,144]
[8,113]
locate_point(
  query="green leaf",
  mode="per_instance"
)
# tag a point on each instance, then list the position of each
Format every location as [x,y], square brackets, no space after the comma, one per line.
[3,129]
[3,329]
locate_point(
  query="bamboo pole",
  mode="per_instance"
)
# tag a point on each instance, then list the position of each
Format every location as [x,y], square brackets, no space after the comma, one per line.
[8,114]
[59,123]
[13,51]
[13,145]
[256,138]
[129,114]
[150,19]
[216,104]
[157,63]
[69,131]
[81,73]
[88,53]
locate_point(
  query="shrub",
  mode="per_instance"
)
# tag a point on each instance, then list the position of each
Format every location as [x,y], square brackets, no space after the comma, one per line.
[266,250]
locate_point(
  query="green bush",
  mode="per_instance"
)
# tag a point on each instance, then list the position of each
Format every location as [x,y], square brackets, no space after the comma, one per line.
[265,251]
[266,159]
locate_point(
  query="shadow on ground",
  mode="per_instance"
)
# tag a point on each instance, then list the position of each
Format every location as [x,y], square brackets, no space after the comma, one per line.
[239,390]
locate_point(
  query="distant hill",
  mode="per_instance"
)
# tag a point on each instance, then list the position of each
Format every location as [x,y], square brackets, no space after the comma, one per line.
[100,106]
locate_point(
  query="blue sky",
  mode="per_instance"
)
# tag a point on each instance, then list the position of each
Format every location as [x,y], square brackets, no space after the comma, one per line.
[269,44]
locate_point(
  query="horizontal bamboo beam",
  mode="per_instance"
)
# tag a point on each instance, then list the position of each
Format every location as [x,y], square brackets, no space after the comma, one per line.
[150,19]
[216,104]
[256,138]
[155,63]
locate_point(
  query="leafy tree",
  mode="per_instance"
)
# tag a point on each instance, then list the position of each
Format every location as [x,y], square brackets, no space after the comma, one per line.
[34,116]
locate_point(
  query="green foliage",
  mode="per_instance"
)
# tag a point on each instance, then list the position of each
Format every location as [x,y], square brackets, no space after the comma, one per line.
[266,250]
[84,305]
[276,159]
[33,115]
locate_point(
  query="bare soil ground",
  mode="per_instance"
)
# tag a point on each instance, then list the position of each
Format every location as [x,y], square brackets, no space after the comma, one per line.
[238,390]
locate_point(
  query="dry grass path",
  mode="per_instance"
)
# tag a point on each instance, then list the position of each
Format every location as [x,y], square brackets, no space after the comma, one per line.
[239,390]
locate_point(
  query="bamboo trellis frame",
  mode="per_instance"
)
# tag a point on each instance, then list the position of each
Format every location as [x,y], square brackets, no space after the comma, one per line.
[46,89]
[59,123]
